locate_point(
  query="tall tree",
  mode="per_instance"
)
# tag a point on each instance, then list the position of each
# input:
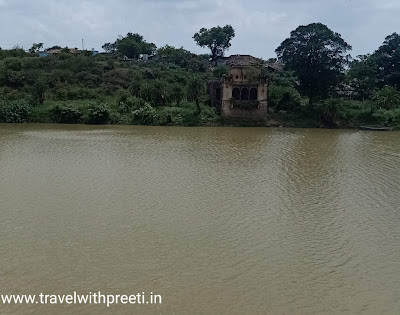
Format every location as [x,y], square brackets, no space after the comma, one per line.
[109,48]
[132,45]
[39,89]
[317,55]
[217,39]
[362,75]
[195,89]
[179,56]
[35,48]
[388,61]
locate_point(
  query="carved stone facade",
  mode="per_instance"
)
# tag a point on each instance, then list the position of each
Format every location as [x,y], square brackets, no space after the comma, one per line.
[243,93]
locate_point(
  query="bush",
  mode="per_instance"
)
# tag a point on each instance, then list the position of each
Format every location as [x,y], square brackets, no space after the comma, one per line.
[170,116]
[330,109]
[387,98]
[98,114]
[145,115]
[209,116]
[284,98]
[387,117]
[66,114]
[76,93]
[130,104]
[14,111]
[220,71]
[186,115]
[39,89]
[118,78]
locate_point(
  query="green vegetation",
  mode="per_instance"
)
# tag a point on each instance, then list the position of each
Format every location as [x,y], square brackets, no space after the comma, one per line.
[319,86]
[105,89]
[317,56]
[217,39]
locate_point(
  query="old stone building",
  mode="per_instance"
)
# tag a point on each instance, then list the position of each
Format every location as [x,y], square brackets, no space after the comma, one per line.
[243,92]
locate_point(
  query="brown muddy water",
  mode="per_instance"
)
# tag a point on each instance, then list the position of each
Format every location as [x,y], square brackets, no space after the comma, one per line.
[215,220]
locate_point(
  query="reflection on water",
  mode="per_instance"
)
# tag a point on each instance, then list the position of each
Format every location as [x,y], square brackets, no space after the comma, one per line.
[216,220]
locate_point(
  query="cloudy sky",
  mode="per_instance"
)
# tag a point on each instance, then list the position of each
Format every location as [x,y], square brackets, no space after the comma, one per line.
[261,25]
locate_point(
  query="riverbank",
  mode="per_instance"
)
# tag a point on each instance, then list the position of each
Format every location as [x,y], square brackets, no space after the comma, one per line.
[105,90]
[133,111]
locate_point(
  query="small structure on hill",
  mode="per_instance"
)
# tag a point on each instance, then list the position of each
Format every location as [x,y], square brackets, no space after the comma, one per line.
[71,51]
[243,92]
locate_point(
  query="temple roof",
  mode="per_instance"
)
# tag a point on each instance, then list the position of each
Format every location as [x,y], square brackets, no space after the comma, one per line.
[248,61]
[240,61]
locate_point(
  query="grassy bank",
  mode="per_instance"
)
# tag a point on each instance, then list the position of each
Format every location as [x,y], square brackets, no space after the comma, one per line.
[107,90]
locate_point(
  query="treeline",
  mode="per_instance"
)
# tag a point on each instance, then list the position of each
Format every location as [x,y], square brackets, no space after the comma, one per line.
[320,84]
[326,85]
[105,89]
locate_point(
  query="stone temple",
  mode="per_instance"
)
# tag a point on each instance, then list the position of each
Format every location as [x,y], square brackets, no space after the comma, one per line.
[243,93]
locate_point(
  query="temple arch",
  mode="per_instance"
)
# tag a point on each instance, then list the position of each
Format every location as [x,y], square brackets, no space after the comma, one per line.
[236,94]
[253,94]
[244,95]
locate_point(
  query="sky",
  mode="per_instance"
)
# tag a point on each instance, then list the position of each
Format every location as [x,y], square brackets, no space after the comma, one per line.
[261,25]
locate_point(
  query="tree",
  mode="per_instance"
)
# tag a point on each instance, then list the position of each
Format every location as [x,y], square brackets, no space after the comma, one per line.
[317,55]
[35,48]
[220,71]
[362,75]
[39,89]
[217,39]
[195,90]
[108,48]
[54,47]
[176,93]
[132,45]
[388,61]
[178,56]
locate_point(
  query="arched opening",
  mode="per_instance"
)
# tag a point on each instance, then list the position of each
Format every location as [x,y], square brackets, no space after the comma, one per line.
[253,94]
[236,94]
[245,94]
[218,94]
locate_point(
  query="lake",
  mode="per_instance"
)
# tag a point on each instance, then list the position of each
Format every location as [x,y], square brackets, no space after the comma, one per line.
[215,220]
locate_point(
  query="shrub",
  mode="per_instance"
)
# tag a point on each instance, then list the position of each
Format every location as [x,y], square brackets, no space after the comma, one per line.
[145,115]
[39,89]
[170,116]
[130,104]
[14,111]
[66,114]
[330,111]
[387,117]
[387,98]
[209,116]
[284,98]
[220,71]
[13,63]
[118,78]
[98,114]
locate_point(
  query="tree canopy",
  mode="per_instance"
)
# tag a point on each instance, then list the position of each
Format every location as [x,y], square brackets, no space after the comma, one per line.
[317,55]
[217,39]
[388,61]
[132,45]
[35,48]
[362,75]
